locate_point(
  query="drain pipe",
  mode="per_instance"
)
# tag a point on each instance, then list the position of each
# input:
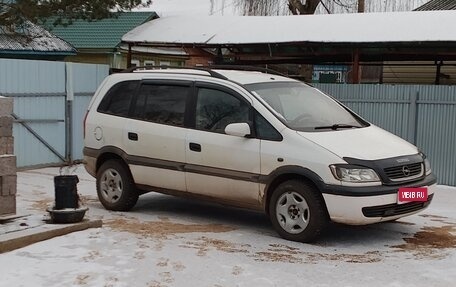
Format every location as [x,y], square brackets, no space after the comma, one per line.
[69,112]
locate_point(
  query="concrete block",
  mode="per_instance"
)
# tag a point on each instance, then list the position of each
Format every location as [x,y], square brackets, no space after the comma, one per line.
[22,238]
[8,185]
[6,145]
[7,204]
[6,126]
[6,106]
[7,165]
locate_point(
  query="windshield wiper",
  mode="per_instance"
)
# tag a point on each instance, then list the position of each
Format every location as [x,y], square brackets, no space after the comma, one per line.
[336,126]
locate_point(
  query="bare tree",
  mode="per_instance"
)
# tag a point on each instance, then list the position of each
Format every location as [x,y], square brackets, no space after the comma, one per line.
[259,7]
[283,7]
[351,6]
[308,7]
[295,7]
[275,7]
[361,6]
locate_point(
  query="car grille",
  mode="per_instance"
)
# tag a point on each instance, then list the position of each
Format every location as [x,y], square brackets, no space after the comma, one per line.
[404,172]
[395,209]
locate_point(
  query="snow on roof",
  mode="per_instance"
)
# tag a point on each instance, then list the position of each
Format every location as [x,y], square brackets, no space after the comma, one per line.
[334,28]
[34,39]
[438,5]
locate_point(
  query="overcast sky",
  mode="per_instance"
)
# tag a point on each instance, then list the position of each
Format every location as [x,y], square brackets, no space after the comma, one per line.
[192,7]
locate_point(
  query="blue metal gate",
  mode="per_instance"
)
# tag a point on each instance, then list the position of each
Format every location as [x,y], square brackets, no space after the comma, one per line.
[48,123]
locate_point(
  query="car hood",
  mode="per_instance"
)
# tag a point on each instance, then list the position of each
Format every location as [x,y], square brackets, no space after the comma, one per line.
[369,143]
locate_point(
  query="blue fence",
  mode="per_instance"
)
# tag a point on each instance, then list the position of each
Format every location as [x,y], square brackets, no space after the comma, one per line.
[423,115]
[45,123]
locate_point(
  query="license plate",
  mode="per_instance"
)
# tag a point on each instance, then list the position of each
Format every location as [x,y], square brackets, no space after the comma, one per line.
[409,194]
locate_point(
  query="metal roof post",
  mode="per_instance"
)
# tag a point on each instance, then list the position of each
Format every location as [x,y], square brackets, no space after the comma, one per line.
[355,67]
[69,88]
[129,56]
[413,115]
[438,72]
[219,57]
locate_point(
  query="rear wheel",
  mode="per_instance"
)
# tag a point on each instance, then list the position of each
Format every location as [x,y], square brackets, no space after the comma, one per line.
[297,211]
[115,187]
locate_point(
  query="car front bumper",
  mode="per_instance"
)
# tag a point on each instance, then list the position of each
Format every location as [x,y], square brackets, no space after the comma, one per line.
[366,205]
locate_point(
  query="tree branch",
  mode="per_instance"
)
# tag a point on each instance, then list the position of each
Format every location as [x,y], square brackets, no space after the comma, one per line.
[308,8]
[16,13]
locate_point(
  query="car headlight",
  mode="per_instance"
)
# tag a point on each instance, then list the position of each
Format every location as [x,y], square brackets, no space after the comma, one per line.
[354,173]
[427,166]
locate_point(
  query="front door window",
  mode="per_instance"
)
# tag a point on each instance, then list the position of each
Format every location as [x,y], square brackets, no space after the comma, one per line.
[216,109]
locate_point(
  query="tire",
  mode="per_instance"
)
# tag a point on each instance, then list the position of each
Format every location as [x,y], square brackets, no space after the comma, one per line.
[297,211]
[115,187]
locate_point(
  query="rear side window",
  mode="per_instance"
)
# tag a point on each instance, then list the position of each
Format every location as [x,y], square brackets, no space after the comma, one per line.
[162,104]
[117,100]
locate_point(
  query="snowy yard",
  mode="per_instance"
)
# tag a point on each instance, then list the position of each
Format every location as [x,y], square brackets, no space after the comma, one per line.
[168,241]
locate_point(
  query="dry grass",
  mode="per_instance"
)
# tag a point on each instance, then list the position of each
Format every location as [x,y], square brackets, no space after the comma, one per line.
[430,242]
[163,228]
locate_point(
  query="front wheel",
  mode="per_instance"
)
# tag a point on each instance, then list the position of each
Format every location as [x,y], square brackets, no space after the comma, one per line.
[115,187]
[297,211]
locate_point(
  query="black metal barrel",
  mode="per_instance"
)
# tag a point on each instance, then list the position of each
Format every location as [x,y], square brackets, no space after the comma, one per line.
[66,193]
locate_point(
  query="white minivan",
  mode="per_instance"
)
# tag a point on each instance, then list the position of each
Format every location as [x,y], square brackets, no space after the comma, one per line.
[249,139]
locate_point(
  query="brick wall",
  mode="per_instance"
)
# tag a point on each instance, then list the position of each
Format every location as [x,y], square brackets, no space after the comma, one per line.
[199,57]
[7,159]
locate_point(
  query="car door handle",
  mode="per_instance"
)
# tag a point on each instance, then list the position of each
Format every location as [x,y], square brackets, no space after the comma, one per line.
[133,136]
[195,147]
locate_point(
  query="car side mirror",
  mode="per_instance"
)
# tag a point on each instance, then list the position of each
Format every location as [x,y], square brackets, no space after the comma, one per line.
[238,129]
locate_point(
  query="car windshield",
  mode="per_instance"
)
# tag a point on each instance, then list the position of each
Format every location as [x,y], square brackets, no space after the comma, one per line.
[304,108]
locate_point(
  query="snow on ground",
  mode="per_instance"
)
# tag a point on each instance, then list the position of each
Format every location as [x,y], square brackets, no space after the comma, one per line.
[168,241]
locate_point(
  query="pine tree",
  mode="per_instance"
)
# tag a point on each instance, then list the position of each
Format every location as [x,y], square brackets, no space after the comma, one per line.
[15,13]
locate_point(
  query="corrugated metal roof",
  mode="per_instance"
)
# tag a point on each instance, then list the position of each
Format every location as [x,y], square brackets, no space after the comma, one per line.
[101,34]
[438,5]
[34,39]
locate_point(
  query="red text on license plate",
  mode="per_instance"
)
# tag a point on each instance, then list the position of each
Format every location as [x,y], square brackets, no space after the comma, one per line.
[407,194]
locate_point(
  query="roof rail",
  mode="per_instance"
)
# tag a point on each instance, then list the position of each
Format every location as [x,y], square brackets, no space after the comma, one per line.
[163,67]
[247,68]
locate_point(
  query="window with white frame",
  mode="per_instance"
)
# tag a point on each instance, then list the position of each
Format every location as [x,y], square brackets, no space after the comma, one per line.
[149,63]
[135,63]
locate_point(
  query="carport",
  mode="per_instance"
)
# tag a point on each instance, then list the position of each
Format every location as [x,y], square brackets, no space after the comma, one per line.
[350,39]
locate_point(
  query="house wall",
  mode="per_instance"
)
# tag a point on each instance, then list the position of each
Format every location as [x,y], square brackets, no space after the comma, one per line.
[418,74]
[144,59]
[118,60]
[199,57]
[91,58]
